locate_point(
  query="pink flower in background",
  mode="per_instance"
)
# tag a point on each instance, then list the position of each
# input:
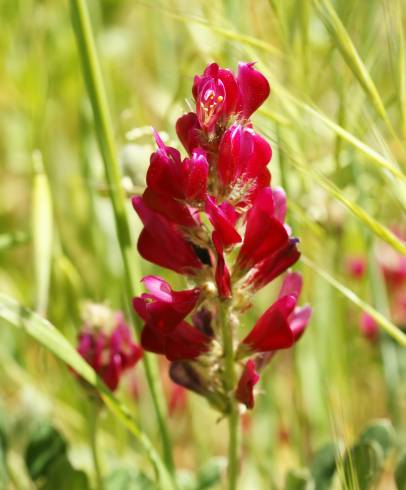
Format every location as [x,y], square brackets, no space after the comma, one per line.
[213,218]
[356,266]
[108,346]
[369,327]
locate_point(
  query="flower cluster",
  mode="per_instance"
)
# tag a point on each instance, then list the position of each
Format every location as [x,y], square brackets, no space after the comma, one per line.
[105,343]
[213,218]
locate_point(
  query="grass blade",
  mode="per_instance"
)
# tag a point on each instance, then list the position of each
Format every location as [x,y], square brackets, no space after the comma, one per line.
[350,54]
[384,323]
[42,233]
[104,131]
[49,337]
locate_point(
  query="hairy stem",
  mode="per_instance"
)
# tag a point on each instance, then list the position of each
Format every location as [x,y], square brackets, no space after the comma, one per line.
[104,131]
[229,383]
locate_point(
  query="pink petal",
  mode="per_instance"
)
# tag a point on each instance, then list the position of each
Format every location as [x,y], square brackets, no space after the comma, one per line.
[245,389]
[254,88]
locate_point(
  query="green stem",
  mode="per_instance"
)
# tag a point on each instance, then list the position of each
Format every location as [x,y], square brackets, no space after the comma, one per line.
[93,426]
[229,383]
[104,131]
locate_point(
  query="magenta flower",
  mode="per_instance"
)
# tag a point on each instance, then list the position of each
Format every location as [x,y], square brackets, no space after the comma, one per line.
[162,243]
[223,218]
[282,324]
[214,218]
[110,352]
[264,234]
[182,342]
[242,161]
[162,307]
[369,327]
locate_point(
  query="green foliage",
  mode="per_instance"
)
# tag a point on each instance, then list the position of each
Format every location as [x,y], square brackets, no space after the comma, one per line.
[122,479]
[400,472]
[47,462]
[323,466]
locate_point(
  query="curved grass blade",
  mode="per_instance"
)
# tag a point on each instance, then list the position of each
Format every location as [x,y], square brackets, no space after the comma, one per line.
[385,324]
[345,45]
[42,233]
[379,230]
[226,33]
[104,130]
[49,337]
[373,156]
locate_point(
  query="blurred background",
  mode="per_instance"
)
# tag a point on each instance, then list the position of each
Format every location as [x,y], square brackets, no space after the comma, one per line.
[336,120]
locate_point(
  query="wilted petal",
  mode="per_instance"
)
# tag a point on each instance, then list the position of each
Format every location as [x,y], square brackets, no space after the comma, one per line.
[245,389]
[254,88]
[184,374]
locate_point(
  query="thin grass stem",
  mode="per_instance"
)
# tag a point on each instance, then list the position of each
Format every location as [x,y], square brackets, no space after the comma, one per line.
[105,135]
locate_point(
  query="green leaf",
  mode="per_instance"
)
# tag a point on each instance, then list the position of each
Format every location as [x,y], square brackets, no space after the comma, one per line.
[362,465]
[382,432]
[44,448]
[323,466]
[63,476]
[400,472]
[299,480]
[47,335]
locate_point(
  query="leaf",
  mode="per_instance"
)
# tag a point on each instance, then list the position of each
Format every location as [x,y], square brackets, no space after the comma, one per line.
[42,233]
[323,466]
[299,480]
[47,335]
[386,324]
[400,472]
[382,432]
[44,448]
[63,476]
[362,465]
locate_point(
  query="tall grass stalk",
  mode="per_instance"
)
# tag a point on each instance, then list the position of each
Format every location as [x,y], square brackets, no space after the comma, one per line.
[104,130]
